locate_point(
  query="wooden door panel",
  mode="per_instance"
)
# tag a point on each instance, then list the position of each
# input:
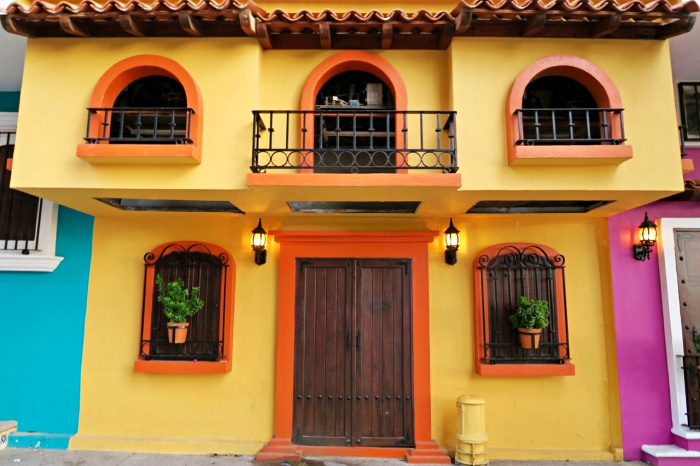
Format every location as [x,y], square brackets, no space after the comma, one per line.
[688,268]
[353,353]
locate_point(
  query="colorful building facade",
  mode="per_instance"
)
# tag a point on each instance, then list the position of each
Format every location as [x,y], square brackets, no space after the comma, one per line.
[356,140]
[44,278]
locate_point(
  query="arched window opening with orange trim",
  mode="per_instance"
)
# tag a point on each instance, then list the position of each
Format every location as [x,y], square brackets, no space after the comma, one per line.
[504,274]
[208,268]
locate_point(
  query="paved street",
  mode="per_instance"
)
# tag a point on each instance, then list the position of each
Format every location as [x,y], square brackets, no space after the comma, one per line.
[30,457]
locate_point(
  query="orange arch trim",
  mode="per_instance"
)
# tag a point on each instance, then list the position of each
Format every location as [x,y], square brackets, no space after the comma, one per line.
[116,78]
[589,75]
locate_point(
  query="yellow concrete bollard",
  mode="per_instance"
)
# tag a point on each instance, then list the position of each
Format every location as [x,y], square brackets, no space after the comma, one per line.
[471,431]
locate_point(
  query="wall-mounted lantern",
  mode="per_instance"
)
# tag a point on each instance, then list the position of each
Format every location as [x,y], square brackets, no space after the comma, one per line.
[647,239]
[258,240]
[452,243]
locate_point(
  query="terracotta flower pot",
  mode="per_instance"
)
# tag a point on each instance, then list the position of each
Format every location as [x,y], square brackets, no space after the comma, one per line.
[177,332]
[530,337]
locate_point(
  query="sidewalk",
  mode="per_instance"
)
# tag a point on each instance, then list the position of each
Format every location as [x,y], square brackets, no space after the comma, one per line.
[30,457]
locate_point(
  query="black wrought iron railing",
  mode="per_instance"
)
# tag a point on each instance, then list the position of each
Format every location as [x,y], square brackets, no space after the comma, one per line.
[354,141]
[504,278]
[20,213]
[681,134]
[197,266]
[128,125]
[563,126]
[691,372]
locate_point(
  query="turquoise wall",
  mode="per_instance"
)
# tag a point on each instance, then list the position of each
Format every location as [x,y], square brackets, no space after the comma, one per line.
[42,321]
[9,101]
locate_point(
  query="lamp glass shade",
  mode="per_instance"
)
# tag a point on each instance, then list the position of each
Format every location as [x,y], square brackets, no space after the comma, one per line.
[647,231]
[258,237]
[452,236]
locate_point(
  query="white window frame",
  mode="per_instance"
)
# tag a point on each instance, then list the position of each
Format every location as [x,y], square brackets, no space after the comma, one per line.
[43,259]
[673,328]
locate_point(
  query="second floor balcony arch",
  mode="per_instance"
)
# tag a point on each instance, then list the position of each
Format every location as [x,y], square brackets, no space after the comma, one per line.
[558,134]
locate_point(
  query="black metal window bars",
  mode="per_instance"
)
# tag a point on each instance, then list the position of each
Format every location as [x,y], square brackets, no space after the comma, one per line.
[20,213]
[197,266]
[504,278]
[568,126]
[354,140]
[129,125]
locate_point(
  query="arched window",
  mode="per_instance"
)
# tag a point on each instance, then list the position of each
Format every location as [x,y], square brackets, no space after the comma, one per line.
[503,274]
[563,101]
[144,109]
[208,341]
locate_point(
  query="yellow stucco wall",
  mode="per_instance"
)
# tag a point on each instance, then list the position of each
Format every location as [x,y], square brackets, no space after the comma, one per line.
[233,413]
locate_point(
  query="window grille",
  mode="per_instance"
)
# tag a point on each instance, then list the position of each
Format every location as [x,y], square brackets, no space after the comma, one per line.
[505,275]
[197,266]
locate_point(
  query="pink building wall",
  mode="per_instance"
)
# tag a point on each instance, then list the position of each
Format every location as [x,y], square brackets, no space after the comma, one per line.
[639,327]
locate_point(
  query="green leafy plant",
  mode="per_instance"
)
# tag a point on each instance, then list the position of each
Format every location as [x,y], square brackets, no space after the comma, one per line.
[696,337]
[532,313]
[178,305]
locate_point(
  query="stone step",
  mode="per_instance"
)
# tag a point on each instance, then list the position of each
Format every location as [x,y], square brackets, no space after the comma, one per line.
[670,455]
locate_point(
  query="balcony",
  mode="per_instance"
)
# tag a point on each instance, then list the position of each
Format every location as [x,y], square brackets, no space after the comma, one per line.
[354,141]
[570,126]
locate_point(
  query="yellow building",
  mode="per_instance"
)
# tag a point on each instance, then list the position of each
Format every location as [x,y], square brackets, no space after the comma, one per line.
[356,135]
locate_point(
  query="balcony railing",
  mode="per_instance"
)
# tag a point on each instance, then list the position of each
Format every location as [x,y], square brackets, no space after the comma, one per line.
[20,213]
[354,141]
[129,125]
[570,126]
[692,390]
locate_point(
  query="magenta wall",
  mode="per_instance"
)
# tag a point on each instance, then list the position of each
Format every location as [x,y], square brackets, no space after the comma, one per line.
[641,348]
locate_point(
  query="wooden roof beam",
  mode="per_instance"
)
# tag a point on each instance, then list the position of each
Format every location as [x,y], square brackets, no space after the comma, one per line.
[324,32]
[131,26]
[606,25]
[387,35]
[13,27]
[680,26]
[263,36]
[534,24]
[448,32]
[462,22]
[71,27]
[247,21]
[190,24]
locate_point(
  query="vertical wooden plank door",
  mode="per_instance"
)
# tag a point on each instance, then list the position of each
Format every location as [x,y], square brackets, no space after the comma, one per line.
[353,380]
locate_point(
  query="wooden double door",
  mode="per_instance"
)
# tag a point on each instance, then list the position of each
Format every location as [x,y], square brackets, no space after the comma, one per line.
[353,378]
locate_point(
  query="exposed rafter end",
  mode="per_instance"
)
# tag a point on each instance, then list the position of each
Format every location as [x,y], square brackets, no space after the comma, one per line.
[462,22]
[676,28]
[263,36]
[448,32]
[387,35]
[190,25]
[606,25]
[247,21]
[131,26]
[324,32]
[11,26]
[71,27]
[534,24]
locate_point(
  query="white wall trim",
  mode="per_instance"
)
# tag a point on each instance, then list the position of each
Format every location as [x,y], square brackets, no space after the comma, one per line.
[673,329]
[8,121]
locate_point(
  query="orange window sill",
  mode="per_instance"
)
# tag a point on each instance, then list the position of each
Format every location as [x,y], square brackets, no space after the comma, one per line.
[156,154]
[525,370]
[569,155]
[182,367]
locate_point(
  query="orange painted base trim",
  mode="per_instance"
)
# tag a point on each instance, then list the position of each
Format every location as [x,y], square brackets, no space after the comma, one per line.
[285,450]
[687,165]
[182,367]
[450,180]
[569,155]
[520,370]
[159,154]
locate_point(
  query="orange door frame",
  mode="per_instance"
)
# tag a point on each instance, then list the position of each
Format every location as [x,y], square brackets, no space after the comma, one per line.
[367,244]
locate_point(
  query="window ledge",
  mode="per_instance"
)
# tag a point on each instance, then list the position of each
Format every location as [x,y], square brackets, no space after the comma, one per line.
[569,155]
[156,154]
[525,370]
[182,367]
[449,180]
[10,262]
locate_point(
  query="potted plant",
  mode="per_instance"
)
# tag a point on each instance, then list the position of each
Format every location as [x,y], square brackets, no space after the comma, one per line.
[531,316]
[178,305]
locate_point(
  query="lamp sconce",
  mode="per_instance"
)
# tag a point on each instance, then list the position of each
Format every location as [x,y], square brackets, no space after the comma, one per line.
[647,239]
[452,243]
[258,240]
